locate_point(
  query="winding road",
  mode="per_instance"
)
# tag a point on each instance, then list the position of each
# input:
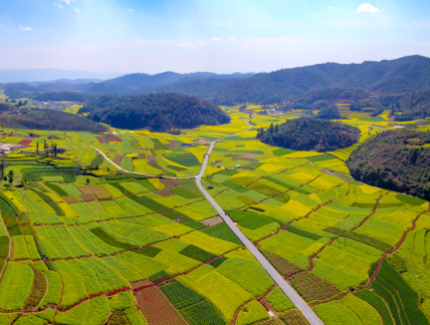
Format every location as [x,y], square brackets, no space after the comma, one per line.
[297,300]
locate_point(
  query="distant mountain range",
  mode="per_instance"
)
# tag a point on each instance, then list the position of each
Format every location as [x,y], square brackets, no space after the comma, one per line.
[44,75]
[132,84]
[139,80]
[385,77]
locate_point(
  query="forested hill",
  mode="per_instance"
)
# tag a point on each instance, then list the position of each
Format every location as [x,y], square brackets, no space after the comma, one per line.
[405,74]
[157,112]
[310,134]
[395,160]
[49,119]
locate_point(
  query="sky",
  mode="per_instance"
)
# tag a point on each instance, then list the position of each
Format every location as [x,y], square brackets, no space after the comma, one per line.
[222,36]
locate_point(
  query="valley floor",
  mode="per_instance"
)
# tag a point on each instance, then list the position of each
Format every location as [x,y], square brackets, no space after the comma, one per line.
[82,243]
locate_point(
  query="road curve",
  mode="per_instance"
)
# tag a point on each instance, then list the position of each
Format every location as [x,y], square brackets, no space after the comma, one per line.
[297,300]
[157,176]
[132,172]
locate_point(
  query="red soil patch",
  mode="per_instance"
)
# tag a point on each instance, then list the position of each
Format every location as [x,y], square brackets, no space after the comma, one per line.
[166,192]
[69,199]
[88,197]
[101,140]
[113,138]
[156,308]
[99,191]
[343,101]
[25,143]
[169,183]
[141,283]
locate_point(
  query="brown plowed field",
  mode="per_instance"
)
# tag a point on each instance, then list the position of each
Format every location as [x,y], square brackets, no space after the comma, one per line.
[157,309]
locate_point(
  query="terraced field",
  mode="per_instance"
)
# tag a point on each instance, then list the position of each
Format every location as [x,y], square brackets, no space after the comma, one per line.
[83,243]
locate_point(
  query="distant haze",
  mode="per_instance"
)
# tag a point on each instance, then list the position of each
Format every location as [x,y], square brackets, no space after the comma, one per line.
[32,75]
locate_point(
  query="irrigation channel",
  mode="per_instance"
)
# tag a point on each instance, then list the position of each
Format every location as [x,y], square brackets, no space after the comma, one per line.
[297,300]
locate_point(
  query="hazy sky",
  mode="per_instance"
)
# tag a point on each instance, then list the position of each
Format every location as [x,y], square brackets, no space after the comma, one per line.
[222,36]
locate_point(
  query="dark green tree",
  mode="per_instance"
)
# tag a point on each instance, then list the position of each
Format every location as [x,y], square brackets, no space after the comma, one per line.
[2,167]
[11,177]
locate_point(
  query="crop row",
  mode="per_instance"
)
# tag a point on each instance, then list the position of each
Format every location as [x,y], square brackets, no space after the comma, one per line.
[362,238]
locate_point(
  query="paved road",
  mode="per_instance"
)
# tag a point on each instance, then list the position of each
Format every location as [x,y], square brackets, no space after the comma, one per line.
[297,300]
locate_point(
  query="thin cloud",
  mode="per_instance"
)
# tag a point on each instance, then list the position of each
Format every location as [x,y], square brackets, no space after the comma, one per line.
[78,10]
[25,28]
[232,38]
[186,45]
[130,9]
[67,1]
[215,39]
[193,45]
[367,7]
[58,5]
[331,8]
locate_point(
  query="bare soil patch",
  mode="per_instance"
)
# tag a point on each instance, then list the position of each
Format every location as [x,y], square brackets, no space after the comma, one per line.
[169,183]
[212,221]
[140,283]
[99,191]
[151,159]
[101,140]
[203,142]
[156,308]
[172,144]
[166,192]
[88,197]
[247,156]
[114,138]
[69,199]
[117,159]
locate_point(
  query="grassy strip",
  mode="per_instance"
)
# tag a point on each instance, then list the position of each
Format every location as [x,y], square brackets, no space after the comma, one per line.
[37,291]
[222,231]
[403,293]
[376,302]
[118,318]
[197,253]
[294,317]
[179,295]
[365,239]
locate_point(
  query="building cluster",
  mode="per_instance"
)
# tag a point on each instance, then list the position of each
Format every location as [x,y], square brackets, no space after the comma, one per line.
[50,105]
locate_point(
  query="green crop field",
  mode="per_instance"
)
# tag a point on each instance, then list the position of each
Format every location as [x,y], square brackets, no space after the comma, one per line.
[81,242]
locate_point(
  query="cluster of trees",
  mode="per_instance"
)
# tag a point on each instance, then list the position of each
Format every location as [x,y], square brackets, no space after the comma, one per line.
[157,112]
[394,160]
[51,120]
[62,96]
[310,134]
[408,106]
[328,112]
